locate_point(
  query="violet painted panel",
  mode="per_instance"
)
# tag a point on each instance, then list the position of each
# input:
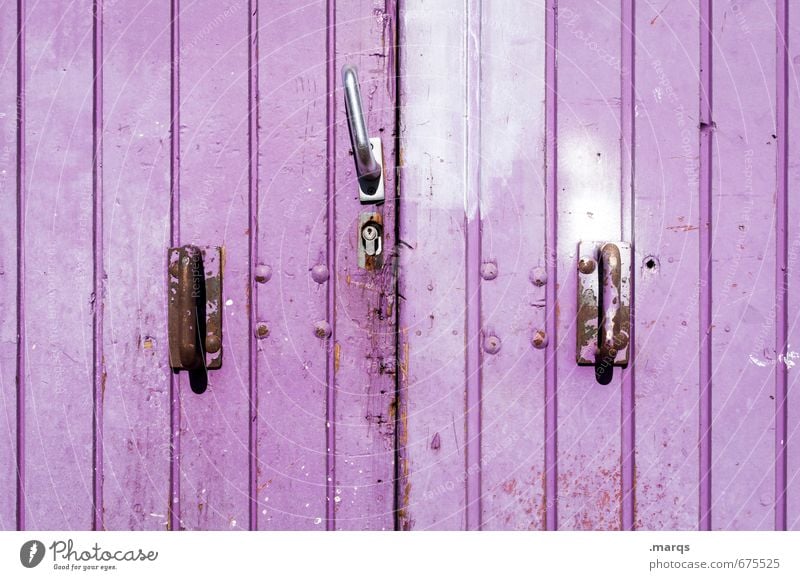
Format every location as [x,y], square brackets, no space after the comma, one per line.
[743,277]
[364,327]
[432,282]
[213,210]
[293,199]
[513,265]
[513,149]
[57,242]
[666,256]
[8,265]
[136,222]
[589,208]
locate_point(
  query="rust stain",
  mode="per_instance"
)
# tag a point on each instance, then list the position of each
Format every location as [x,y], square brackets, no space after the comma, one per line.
[405,522]
[591,497]
[337,356]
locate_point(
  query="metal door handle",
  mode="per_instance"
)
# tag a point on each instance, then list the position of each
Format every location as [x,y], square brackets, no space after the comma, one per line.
[603,324]
[195,317]
[612,336]
[190,267]
[367,152]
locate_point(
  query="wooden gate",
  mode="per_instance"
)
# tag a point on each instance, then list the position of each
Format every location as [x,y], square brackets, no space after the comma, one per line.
[437,387]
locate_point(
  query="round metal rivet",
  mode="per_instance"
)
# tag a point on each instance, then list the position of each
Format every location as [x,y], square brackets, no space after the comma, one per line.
[319,273]
[539,276]
[322,329]
[489,271]
[491,345]
[263,273]
[262,330]
[586,265]
[539,339]
[213,343]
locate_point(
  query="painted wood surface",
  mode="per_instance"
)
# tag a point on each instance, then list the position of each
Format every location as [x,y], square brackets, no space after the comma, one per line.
[8,268]
[635,105]
[136,220]
[667,293]
[439,392]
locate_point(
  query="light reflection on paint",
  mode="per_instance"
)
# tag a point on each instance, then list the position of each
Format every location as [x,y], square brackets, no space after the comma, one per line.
[587,175]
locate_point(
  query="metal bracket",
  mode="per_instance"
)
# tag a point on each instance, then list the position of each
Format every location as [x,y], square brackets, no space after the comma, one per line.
[371,191]
[604,303]
[370,241]
[195,313]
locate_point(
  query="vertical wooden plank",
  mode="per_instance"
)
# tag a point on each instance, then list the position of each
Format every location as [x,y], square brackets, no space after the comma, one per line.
[58,270]
[365,312]
[589,208]
[743,253]
[8,265]
[666,262]
[514,268]
[214,430]
[432,281]
[292,264]
[793,272]
[136,438]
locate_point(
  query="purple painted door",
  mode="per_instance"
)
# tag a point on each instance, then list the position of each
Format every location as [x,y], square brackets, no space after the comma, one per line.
[441,390]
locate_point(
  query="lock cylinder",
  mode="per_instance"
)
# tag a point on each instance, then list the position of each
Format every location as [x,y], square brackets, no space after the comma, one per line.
[370,241]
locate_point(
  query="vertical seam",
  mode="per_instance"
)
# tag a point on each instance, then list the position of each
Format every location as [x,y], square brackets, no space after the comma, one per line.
[98,273]
[782,265]
[706,124]
[174,190]
[473,263]
[627,205]
[21,358]
[330,394]
[551,253]
[252,192]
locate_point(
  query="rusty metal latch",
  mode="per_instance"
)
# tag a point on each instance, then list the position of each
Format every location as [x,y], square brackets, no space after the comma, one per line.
[368,153]
[195,316]
[604,303]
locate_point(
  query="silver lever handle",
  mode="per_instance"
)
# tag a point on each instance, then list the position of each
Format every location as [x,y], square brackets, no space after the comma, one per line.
[367,167]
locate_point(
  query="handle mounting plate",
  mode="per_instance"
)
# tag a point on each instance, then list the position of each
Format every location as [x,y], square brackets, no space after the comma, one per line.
[371,191]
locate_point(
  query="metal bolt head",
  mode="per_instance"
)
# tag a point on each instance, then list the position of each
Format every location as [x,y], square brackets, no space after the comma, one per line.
[262,330]
[213,343]
[539,276]
[489,271]
[262,273]
[319,273]
[492,344]
[322,329]
[586,265]
[539,339]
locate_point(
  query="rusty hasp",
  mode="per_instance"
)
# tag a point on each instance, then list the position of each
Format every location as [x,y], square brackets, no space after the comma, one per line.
[604,314]
[195,314]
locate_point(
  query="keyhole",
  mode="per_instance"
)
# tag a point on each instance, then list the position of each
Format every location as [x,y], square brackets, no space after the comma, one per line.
[370,233]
